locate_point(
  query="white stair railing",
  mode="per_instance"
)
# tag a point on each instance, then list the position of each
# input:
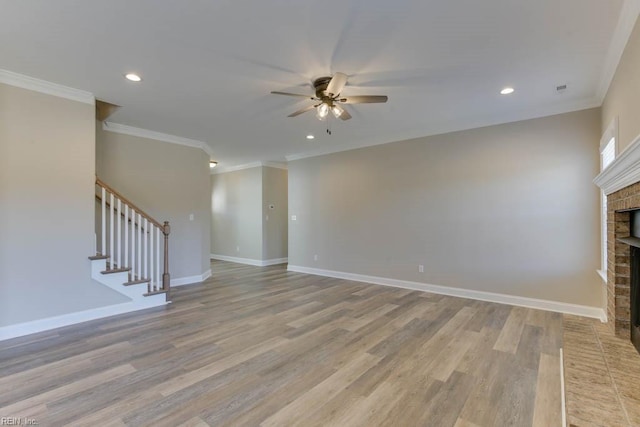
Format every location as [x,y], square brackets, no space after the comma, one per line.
[133,240]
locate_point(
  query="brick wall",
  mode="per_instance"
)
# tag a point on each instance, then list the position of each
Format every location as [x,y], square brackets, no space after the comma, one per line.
[618,257]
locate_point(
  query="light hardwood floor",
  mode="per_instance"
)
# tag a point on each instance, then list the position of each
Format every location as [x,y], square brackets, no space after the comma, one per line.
[263,346]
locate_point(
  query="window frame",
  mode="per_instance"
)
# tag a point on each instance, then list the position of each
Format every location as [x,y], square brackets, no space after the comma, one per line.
[609,136]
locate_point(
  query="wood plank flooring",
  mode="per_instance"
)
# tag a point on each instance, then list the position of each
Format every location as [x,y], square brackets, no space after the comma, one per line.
[262,346]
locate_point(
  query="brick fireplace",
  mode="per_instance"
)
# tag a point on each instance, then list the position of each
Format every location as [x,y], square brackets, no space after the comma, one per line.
[621,183]
[619,204]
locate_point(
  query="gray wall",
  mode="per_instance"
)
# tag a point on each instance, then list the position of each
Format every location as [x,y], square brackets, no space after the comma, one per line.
[274,226]
[169,182]
[47,148]
[509,209]
[236,205]
[623,96]
[242,223]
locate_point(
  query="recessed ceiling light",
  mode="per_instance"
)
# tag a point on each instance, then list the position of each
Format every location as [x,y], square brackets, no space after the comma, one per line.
[310,136]
[213,164]
[133,77]
[507,91]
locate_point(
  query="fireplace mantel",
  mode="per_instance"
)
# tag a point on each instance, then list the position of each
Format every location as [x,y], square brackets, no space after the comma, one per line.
[623,171]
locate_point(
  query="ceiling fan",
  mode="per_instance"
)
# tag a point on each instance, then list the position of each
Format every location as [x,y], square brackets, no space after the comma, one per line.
[328,91]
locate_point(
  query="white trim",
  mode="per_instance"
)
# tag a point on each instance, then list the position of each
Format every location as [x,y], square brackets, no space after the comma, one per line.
[40,325]
[563,402]
[251,165]
[623,171]
[446,128]
[43,86]
[275,165]
[218,170]
[628,16]
[603,275]
[249,261]
[608,134]
[274,261]
[158,136]
[191,280]
[556,306]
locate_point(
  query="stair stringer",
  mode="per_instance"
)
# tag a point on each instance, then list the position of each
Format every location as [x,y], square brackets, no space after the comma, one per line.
[116,282]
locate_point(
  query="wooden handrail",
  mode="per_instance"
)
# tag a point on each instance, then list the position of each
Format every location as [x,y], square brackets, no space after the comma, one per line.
[128,202]
[132,222]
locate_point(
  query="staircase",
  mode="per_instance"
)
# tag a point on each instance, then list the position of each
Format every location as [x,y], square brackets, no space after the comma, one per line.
[131,249]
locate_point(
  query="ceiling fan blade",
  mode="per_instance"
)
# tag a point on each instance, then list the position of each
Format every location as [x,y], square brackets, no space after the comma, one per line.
[345,115]
[364,99]
[291,94]
[302,110]
[336,84]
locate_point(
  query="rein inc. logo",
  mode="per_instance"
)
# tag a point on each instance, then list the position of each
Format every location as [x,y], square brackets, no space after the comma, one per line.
[18,421]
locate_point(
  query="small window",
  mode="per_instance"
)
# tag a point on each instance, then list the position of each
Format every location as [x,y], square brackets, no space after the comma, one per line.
[608,153]
[607,156]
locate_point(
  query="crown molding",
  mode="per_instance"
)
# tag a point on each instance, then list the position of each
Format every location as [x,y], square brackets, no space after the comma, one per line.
[158,136]
[207,149]
[43,86]
[461,126]
[276,165]
[300,156]
[626,21]
[623,171]
[217,170]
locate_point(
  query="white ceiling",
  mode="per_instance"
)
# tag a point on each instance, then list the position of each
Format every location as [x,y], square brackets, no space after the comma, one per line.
[208,66]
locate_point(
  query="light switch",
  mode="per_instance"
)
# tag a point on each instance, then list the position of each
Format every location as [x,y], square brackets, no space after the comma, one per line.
[293,218]
[191,217]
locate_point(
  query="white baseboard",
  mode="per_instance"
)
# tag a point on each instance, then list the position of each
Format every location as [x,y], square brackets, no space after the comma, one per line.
[190,280]
[559,307]
[40,325]
[249,261]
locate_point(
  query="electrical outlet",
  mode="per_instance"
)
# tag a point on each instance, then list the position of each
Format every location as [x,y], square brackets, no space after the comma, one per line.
[293,218]
[421,268]
[191,217]
[237,248]
[315,257]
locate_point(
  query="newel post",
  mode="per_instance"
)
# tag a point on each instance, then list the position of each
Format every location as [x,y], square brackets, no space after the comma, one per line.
[166,277]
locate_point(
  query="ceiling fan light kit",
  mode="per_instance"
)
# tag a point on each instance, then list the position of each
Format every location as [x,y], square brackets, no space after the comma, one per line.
[328,91]
[322,111]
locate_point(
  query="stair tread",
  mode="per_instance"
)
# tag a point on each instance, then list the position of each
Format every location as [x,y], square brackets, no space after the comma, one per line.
[136,282]
[116,270]
[98,256]
[161,291]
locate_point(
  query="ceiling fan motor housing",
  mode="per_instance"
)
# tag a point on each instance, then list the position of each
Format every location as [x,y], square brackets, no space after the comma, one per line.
[320,85]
